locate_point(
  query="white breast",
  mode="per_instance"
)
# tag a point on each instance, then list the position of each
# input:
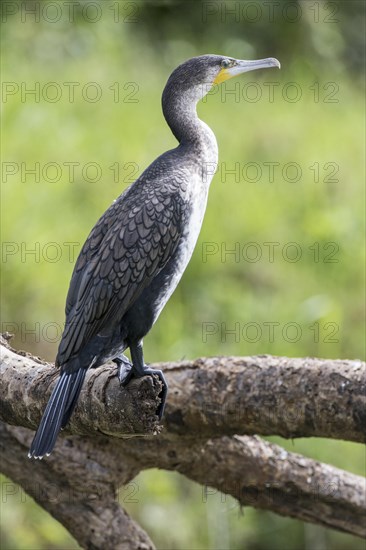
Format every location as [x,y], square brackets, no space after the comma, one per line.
[198,200]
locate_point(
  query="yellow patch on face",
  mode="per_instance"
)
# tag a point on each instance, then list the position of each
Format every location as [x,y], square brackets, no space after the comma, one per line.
[223,75]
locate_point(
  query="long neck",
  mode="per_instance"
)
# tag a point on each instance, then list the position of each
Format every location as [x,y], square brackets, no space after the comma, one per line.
[180,112]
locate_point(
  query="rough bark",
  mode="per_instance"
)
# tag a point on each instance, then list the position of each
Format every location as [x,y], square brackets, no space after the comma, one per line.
[261,474]
[208,397]
[77,486]
[209,401]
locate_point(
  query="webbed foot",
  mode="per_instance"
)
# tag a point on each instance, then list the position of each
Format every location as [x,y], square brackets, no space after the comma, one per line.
[124,369]
[126,372]
[164,390]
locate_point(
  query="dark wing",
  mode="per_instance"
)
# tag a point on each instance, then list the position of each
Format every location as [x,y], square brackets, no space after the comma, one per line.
[126,249]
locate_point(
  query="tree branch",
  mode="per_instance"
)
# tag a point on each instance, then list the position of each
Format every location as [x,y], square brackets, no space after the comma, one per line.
[209,401]
[77,486]
[263,475]
[208,397]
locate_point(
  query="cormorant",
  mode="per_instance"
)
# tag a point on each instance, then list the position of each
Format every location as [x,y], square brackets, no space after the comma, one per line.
[137,252]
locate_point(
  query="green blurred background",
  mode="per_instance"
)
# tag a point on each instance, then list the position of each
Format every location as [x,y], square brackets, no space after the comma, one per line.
[287,200]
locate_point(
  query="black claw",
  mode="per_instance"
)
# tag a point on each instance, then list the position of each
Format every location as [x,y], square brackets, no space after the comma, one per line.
[164,390]
[125,370]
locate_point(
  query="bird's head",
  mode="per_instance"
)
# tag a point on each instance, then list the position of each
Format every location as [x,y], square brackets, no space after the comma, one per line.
[199,74]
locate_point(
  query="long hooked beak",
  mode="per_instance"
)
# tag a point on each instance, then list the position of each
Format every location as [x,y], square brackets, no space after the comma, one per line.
[244,66]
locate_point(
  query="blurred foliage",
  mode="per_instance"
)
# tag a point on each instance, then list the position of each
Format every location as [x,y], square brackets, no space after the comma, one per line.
[136,45]
[320,33]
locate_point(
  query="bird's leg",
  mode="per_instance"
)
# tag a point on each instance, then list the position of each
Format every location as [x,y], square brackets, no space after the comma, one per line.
[124,369]
[139,369]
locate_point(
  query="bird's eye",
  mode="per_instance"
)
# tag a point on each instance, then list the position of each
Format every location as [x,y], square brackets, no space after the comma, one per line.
[226,63]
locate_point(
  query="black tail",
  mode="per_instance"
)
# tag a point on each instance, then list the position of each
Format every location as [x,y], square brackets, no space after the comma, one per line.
[58,411]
